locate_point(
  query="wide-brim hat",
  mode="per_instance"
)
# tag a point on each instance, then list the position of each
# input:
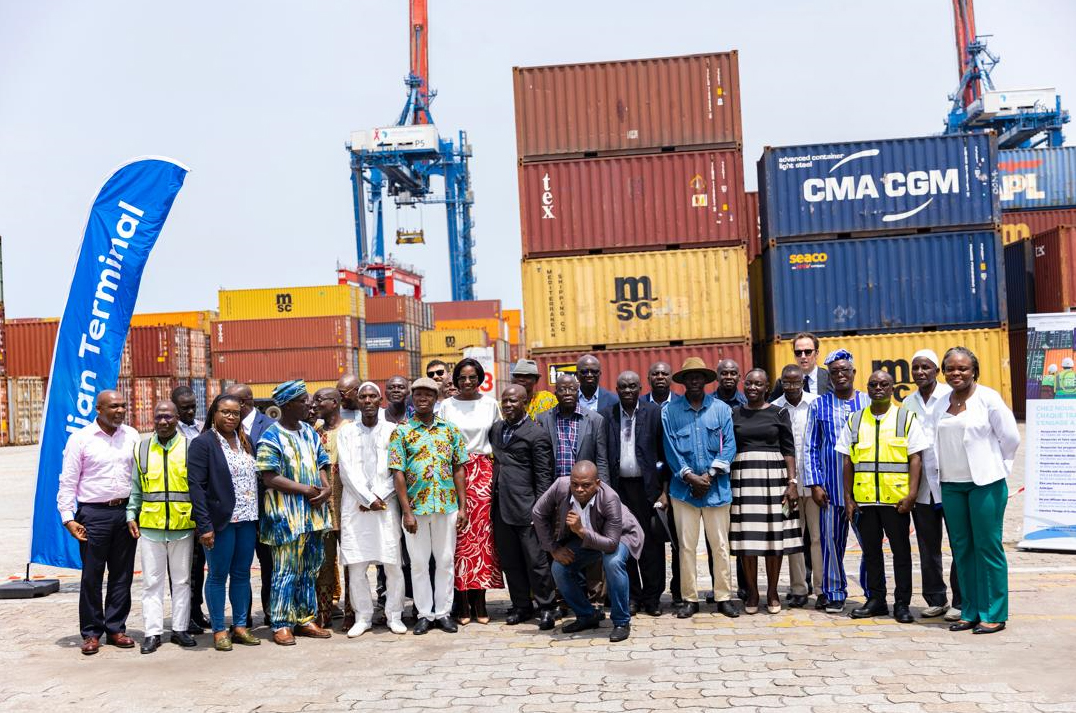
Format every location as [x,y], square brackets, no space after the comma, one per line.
[695,364]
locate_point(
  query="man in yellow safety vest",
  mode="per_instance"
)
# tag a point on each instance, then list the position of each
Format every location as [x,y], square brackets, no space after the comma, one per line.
[882,465]
[159,514]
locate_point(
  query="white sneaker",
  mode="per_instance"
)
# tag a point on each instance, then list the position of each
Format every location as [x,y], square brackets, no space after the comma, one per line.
[361,627]
[953,614]
[396,625]
[931,612]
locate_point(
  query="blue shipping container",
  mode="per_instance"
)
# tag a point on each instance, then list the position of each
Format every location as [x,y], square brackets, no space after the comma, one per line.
[892,185]
[386,337]
[200,406]
[884,284]
[1019,282]
[1037,178]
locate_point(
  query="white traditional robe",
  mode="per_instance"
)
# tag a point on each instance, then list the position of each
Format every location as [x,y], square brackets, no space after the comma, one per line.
[363,457]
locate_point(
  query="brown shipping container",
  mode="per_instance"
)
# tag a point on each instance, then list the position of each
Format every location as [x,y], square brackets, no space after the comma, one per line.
[472,309]
[160,351]
[387,309]
[1021,225]
[754,226]
[615,361]
[321,364]
[384,365]
[199,352]
[628,105]
[1018,367]
[126,366]
[297,333]
[30,343]
[3,348]
[1055,270]
[26,399]
[630,203]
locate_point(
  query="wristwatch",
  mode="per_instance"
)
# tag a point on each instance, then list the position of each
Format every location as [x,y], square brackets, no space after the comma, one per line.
[793,482]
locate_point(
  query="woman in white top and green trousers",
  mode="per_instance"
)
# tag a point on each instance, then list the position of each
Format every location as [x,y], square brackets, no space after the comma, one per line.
[976,438]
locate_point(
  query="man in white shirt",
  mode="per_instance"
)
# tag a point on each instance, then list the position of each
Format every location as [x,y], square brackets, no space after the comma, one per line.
[797,403]
[928,514]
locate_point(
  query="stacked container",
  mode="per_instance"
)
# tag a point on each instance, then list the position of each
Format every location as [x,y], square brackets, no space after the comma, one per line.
[634,216]
[467,324]
[883,247]
[393,323]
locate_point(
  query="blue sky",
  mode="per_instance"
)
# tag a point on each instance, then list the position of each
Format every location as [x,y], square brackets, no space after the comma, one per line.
[259,98]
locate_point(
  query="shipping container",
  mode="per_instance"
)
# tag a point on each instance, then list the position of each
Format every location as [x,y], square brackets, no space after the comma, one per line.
[126,362]
[616,361]
[452,341]
[1018,370]
[5,421]
[198,320]
[385,365]
[278,302]
[30,344]
[632,203]
[299,333]
[213,389]
[1019,283]
[265,391]
[758,299]
[199,351]
[391,337]
[470,309]
[516,352]
[1055,269]
[26,400]
[279,365]
[1037,178]
[1021,225]
[893,352]
[393,308]
[3,353]
[636,299]
[754,226]
[146,393]
[903,283]
[160,351]
[198,386]
[494,328]
[628,106]
[891,185]
[514,319]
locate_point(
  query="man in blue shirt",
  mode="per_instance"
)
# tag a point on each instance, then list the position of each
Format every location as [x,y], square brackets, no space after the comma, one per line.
[699,447]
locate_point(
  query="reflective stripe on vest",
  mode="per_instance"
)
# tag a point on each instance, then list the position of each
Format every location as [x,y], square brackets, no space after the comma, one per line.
[166,499]
[881,466]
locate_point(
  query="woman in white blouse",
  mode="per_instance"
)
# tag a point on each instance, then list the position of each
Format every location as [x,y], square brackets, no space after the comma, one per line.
[477,567]
[975,439]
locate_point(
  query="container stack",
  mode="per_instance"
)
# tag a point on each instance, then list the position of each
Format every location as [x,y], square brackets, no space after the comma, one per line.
[633,212]
[468,324]
[883,248]
[266,336]
[393,325]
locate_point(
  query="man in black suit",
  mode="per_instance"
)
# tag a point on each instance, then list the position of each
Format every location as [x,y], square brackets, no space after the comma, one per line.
[815,377]
[522,472]
[592,397]
[633,434]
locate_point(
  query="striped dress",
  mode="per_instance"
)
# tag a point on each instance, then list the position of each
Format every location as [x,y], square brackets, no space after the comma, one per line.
[759,481]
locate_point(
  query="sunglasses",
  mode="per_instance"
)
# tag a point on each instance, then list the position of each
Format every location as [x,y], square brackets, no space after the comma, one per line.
[588,371]
[438,372]
[803,352]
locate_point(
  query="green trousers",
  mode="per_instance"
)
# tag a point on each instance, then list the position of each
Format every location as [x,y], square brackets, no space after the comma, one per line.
[974,515]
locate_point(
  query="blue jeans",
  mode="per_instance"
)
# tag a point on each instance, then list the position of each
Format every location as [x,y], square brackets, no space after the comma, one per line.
[572,583]
[231,556]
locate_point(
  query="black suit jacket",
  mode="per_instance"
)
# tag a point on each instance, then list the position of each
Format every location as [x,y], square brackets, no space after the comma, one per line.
[210,483]
[261,422]
[824,386]
[649,442]
[589,440]
[522,470]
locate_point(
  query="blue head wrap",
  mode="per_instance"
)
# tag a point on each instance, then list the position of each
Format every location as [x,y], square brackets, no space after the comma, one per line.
[838,355]
[289,391]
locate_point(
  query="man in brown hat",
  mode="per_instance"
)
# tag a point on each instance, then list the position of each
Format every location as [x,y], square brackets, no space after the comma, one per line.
[699,447]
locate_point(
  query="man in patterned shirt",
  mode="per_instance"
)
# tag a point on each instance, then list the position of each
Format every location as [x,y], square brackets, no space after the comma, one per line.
[426,457]
[294,468]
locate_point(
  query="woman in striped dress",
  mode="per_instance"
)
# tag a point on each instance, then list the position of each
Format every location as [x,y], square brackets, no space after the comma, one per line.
[763,482]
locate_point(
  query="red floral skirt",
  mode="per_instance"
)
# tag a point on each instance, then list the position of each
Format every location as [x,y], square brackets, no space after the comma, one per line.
[477,566]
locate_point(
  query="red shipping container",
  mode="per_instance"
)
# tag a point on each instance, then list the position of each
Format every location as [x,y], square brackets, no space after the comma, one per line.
[294,333]
[386,309]
[147,392]
[631,203]
[384,365]
[213,389]
[160,351]
[754,226]
[263,367]
[1055,269]
[1021,225]
[471,309]
[3,349]
[628,106]
[615,361]
[30,343]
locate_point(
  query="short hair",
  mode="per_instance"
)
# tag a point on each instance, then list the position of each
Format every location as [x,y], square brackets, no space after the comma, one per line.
[806,335]
[471,362]
[435,362]
[181,391]
[969,354]
[791,369]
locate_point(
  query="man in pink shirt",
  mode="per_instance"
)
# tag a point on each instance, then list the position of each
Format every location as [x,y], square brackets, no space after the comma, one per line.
[92,498]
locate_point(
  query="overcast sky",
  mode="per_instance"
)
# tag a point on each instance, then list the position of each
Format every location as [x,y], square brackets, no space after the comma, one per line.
[258,99]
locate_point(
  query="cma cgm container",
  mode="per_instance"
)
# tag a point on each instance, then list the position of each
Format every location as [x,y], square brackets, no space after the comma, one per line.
[1037,178]
[631,203]
[299,333]
[320,364]
[931,182]
[628,106]
[1022,224]
[1055,270]
[160,351]
[278,302]
[893,352]
[1019,283]
[636,299]
[616,361]
[936,281]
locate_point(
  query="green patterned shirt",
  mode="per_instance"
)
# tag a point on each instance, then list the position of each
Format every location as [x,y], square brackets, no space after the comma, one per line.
[428,455]
[296,455]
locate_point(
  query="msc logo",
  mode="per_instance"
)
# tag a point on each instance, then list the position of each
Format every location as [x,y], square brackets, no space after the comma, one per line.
[634,298]
[807,258]
[283,302]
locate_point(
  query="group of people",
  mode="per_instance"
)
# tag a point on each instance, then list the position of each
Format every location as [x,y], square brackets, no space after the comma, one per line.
[567,497]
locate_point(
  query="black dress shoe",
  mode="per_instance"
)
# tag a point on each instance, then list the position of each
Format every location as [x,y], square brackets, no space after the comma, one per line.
[197,617]
[729,609]
[741,594]
[633,608]
[902,614]
[980,629]
[652,609]
[150,644]
[518,616]
[796,601]
[963,625]
[710,598]
[421,627]
[687,610]
[183,639]
[581,624]
[447,625]
[193,628]
[619,633]
[546,620]
[873,607]
[821,603]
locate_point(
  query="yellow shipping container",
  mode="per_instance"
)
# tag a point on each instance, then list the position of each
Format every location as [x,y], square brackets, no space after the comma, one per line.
[265,391]
[494,328]
[636,299]
[452,341]
[893,352]
[282,302]
[757,288]
[514,319]
[198,319]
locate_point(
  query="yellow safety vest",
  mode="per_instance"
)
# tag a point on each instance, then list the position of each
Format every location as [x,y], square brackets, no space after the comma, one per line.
[1066,384]
[880,455]
[166,499]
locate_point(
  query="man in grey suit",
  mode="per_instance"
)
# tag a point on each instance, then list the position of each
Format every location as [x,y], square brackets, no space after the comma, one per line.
[580,521]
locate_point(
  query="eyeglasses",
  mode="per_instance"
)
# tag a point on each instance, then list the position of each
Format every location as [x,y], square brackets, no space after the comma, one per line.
[438,372]
[229,414]
[803,352]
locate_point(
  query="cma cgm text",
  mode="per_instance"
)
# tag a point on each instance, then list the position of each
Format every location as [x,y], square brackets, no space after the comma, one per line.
[894,185]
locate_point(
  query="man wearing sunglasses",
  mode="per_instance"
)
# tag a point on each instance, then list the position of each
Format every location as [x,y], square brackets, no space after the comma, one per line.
[815,377]
[593,397]
[438,371]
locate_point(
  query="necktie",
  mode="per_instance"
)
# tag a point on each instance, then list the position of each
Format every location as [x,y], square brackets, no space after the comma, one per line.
[807,383]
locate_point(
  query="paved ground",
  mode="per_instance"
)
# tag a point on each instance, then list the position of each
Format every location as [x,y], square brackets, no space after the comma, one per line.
[797,661]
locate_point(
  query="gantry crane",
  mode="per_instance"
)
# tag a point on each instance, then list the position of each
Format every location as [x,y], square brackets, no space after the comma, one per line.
[1023,118]
[400,160]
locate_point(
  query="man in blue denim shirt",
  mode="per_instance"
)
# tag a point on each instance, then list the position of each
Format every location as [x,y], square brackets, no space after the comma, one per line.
[699,446]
